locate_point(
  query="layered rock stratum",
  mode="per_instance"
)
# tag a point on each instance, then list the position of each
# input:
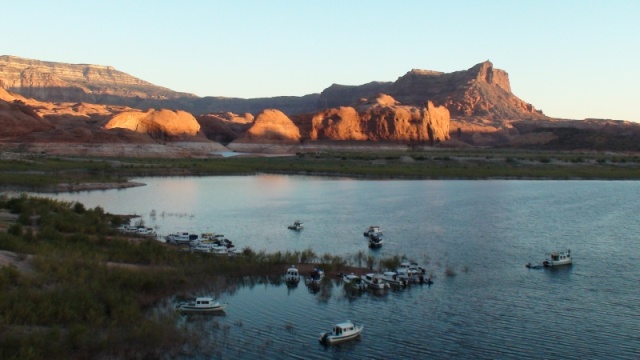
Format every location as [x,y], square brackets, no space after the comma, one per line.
[59,82]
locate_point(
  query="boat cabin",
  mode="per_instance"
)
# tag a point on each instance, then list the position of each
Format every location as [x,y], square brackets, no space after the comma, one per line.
[342,328]
[556,256]
[204,301]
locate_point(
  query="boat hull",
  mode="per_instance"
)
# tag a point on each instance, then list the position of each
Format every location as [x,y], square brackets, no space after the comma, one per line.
[328,339]
[195,309]
[551,263]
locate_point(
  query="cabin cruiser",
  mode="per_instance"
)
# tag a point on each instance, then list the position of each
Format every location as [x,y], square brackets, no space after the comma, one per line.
[200,305]
[292,276]
[297,225]
[127,229]
[375,241]
[558,258]
[211,239]
[315,277]
[181,238]
[375,281]
[411,272]
[341,332]
[391,278]
[373,230]
[146,231]
[354,282]
[212,248]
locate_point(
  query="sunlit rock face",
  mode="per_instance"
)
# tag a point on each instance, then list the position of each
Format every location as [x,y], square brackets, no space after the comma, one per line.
[382,118]
[482,90]
[156,122]
[54,81]
[271,126]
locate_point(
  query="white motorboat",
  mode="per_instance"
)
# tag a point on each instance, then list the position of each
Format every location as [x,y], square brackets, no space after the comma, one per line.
[558,258]
[181,238]
[146,231]
[315,277]
[201,305]
[373,230]
[391,278]
[375,241]
[205,248]
[341,332]
[297,225]
[354,282]
[292,276]
[375,281]
[411,272]
[127,229]
[212,248]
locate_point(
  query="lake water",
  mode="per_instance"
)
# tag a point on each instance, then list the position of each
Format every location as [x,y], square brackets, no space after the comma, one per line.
[486,231]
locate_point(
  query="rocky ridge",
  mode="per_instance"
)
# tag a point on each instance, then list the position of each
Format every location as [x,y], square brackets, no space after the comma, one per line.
[473,107]
[54,82]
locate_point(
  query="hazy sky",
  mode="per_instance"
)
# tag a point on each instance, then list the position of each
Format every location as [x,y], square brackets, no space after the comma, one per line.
[572,59]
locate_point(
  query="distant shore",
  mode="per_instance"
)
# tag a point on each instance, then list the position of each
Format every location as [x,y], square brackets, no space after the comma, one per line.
[88,186]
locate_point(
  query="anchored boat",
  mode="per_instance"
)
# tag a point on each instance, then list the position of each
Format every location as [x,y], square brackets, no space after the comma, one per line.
[341,332]
[293,276]
[201,305]
[558,258]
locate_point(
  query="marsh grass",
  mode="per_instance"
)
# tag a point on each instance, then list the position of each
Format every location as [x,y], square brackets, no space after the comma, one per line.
[42,173]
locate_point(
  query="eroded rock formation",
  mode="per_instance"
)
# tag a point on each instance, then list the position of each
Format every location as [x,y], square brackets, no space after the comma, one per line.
[382,118]
[481,90]
[156,123]
[271,126]
[224,127]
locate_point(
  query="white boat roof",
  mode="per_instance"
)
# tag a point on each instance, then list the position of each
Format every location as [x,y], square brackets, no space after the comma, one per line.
[345,324]
[204,298]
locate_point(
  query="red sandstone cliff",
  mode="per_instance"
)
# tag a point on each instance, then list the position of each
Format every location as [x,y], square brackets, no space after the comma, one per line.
[382,118]
[156,123]
[271,126]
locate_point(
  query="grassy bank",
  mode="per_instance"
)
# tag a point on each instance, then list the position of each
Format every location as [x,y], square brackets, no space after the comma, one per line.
[43,173]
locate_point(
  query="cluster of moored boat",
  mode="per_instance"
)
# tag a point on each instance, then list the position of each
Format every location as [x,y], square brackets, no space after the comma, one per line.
[406,273]
[209,243]
[137,230]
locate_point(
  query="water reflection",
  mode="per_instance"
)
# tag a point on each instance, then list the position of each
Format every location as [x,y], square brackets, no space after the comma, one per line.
[474,238]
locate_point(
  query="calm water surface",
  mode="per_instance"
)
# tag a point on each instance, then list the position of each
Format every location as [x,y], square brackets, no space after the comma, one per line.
[493,308]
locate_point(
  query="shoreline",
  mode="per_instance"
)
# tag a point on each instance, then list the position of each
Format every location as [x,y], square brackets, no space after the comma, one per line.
[88,186]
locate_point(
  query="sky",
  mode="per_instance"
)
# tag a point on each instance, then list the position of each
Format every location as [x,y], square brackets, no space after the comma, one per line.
[572,59]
